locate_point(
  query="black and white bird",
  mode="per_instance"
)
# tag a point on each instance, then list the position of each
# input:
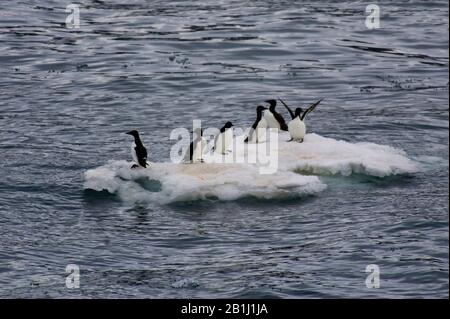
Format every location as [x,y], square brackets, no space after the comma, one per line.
[224,139]
[196,148]
[258,127]
[273,118]
[296,126]
[138,151]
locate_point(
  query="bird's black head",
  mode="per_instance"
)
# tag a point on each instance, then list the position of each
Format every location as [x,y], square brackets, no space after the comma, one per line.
[260,109]
[197,132]
[228,124]
[272,103]
[133,133]
[298,111]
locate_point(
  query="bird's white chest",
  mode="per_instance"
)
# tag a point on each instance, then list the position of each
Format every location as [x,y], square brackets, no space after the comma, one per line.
[262,123]
[228,139]
[271,120]
[198,150]
[224,141]
[261,131]
[133,153]
[297,128]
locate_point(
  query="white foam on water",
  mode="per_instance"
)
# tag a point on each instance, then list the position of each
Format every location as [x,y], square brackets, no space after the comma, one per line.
[230,181]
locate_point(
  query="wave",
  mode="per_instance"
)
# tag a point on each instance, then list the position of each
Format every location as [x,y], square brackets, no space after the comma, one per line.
[170,182]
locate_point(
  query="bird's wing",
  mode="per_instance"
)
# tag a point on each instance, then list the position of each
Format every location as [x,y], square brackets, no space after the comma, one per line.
[310,109]
[142,162]
[288,108]
[250,133]
[144,152]
[189,153]
[280,120]
[141,153]
[255,124]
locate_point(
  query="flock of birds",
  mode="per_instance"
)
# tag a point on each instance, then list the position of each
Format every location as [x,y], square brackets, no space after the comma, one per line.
[265,118]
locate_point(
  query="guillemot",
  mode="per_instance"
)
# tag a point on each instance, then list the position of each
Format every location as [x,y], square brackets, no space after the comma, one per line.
[273,118]
[224,139]
[196,148]
[138,151]
[296,126]
[258,126]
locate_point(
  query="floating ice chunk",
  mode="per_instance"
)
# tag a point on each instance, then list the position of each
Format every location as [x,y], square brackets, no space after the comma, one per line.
[187,182]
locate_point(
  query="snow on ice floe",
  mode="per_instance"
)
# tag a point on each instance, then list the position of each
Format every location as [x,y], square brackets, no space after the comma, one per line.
[188,182]
[326,156]
[318,155]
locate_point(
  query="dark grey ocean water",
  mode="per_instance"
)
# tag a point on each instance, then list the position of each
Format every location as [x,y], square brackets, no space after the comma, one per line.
[67,96]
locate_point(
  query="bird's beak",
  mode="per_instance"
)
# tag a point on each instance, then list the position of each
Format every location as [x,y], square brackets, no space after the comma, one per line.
[129,133]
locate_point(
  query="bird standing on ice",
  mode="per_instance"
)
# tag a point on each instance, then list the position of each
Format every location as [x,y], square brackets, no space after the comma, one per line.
[196,148]
[224,139]
[296,126]
[273,118]
[257,130]
[138,151]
